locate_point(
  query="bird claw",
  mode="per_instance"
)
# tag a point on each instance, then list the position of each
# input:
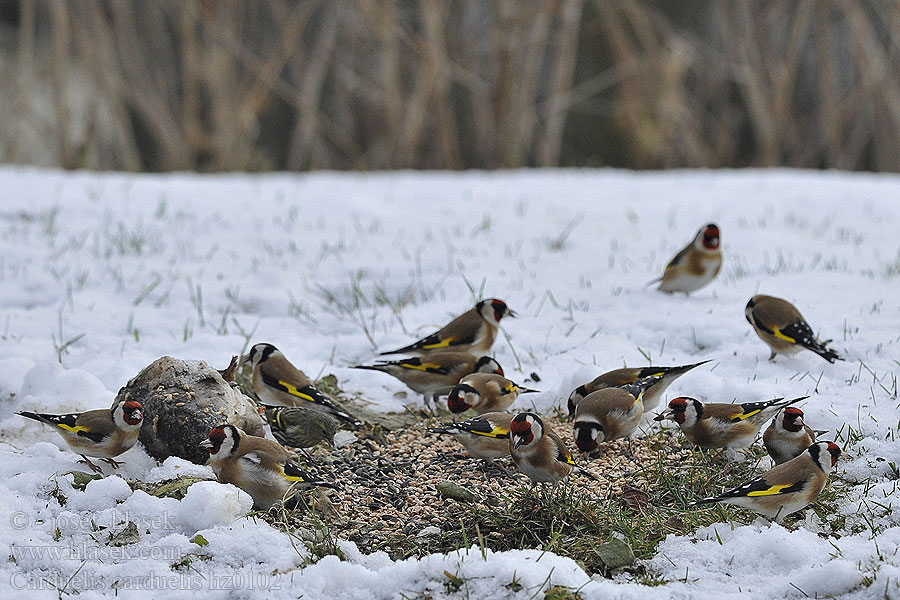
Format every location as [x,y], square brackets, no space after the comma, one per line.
[92,466]
[113,463]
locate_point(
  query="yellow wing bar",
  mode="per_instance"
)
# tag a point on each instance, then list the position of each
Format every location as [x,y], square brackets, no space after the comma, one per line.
[441,344]
[293,391]
[75,429]
[422,367]
[777,333]
[771,491]
[496,432]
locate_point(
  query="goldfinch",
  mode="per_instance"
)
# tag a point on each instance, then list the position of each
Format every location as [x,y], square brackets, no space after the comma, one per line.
[258,466]
[538,452]
[298,426]
[786,488]
[608,414]
[483,392]
[435,374]
[620,377]
[473,331]
[779,324]
[729,426]
[485,436]
[696,265]
[787,436]
[102,433]
[279,383]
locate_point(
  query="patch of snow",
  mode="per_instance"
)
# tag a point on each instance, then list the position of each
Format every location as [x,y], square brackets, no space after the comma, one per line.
[104,273]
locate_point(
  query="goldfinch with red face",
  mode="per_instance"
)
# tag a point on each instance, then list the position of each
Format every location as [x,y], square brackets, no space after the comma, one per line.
[279,383]
[435,374]
[103,433]
[260,467]
[482,393]
[787,436]
[696,265]
[608,414]
[473,331]
[621,377]
[485,436]
[779,324]
[729,426]
[538,452]
[786,488]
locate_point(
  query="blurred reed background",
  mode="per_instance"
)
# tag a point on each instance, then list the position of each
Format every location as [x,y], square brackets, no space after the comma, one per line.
[215,85]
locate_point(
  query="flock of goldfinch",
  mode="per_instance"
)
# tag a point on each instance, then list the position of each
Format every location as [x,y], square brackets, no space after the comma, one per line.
[452,362]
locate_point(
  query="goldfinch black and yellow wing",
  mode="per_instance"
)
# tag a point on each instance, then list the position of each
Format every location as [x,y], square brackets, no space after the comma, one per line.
[69,424]
[310,394]
[295,475]
[476,426]
[757,487]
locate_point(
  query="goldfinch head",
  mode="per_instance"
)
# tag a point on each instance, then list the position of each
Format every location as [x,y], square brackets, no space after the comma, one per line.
[791,419]
[461,398]
[128,414]
[820,450]
[486,364]
[834,451]
[748,310]
[525,429]
[493,310]
[223,440]
[708,237]
[260,353]
[683,410]
[588,434]
[574,398]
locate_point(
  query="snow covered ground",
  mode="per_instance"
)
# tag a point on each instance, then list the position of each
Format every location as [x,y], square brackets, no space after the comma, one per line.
[102,274]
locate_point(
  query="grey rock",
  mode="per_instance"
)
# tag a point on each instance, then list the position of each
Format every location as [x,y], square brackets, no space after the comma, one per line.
[127,536]
[183,400]
[448,489]
[615,554]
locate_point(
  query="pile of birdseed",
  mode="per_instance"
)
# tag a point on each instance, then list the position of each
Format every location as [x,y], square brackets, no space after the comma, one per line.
[388,497]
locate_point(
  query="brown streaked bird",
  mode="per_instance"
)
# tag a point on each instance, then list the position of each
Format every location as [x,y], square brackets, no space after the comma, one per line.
[716,425]
[485,436]
[483,392]
[103,433]
[538,452]
[696,265]
[279,383]
[779,324]
[786,488]
[260,467]
[436,373]
[298,426]
[609,414]
[621,377]
[787,436]
[473,331]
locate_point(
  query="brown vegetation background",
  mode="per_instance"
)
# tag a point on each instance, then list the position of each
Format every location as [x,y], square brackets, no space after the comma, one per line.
[213,85]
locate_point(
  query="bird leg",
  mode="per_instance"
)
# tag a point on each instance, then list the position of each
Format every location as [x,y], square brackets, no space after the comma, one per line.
[430,404]
[92,466]
[113,463]
[772,356]
[499,467]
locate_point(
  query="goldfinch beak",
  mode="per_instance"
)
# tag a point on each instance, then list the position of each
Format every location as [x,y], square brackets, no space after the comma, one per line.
[206,444]
[665,415]
[510,313]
